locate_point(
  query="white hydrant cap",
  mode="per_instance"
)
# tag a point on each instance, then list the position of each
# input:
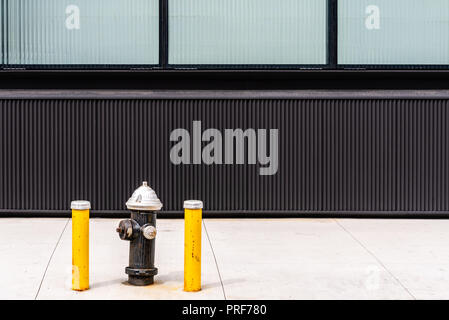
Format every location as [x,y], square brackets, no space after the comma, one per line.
[144,199]
[80,205]
[193,204]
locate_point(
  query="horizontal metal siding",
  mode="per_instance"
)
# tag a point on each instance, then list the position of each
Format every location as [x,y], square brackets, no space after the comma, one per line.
[337,156]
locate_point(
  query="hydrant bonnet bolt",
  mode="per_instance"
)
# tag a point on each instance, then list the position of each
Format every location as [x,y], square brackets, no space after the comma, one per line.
[140,230]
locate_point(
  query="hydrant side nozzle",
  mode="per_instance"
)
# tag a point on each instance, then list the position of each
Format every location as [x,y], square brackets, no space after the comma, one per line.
[128,229]
[149,231]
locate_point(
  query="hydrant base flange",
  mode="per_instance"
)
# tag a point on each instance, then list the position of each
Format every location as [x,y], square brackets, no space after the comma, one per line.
[140,277]
[140,281]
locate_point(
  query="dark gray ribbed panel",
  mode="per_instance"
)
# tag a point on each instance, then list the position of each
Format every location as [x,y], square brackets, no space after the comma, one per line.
[336,157]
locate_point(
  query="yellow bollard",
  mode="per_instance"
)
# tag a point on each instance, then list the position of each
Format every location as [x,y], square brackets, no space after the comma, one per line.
[80,245]
[192,245]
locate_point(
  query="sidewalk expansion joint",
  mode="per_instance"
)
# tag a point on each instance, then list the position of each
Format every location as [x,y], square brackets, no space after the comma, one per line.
[376,258]
[215,259]
[51,256]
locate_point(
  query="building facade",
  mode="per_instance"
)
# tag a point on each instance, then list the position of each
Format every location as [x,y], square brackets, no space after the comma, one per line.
[257,107]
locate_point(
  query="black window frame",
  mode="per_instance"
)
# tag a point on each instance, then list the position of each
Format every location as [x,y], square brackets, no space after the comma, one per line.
[67,67]
[330,62]
[164,65]
[390,67]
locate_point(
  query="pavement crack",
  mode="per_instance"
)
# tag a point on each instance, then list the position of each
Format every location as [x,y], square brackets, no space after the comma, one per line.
[215,259]
[51,256]
[376,258]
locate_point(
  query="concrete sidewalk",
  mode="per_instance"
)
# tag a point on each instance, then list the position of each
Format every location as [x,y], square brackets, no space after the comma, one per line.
[242,259]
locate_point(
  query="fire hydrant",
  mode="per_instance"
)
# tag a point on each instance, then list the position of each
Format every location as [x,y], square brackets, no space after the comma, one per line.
[140,230]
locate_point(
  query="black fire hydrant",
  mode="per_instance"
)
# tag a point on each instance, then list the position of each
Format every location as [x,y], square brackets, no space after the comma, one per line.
[140,230]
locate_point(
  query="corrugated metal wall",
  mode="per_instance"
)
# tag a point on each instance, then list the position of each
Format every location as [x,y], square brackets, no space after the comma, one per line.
[336,156]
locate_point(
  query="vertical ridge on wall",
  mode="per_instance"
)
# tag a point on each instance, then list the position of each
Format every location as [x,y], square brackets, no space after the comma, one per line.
[355,155]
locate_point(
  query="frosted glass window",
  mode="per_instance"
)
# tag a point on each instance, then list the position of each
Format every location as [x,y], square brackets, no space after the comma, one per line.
[1,32]
[393,32]
[248,32]
[82,32]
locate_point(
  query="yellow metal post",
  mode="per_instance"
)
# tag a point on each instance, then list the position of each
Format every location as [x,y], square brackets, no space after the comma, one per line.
[192,245]
[80,245]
